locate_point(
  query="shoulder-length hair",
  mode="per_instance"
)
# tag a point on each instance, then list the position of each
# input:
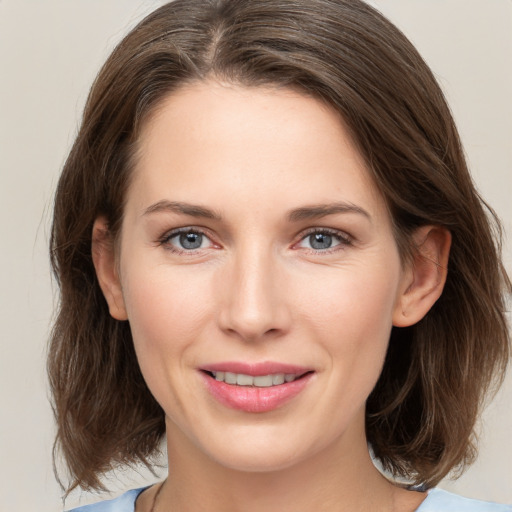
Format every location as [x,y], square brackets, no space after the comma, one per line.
[420,417]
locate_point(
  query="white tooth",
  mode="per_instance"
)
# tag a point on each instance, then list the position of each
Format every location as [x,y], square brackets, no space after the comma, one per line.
[244,380]
[219,376]
[230,378]
[263,381]
[277,379]
[289,377]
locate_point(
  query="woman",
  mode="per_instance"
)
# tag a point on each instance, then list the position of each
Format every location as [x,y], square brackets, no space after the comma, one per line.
[270,252]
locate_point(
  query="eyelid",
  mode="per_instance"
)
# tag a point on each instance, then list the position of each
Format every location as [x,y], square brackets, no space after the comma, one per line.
[345,239]
[168,235]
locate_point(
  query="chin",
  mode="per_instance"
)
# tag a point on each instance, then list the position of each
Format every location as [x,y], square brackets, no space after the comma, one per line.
[258,460]
[263,448]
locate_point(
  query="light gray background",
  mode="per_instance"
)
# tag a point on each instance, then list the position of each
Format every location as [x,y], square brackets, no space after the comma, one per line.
[50,51]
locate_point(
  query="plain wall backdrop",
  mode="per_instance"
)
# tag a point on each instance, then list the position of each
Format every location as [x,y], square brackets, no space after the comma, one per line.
[50,51]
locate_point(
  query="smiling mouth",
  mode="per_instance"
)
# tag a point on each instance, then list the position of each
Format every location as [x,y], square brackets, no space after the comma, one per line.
[260,381]
[256,388]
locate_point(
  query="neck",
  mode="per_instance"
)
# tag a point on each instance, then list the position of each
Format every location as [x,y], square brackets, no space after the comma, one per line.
[337,478]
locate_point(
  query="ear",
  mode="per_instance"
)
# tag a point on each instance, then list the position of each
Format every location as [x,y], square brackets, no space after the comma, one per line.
[424,277]
[104,259]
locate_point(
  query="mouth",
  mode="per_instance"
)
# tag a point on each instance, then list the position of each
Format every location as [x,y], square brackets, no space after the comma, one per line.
[255,388]
[259,381]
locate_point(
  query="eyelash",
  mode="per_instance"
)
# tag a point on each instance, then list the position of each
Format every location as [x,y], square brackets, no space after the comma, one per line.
[344,239]
[168,236]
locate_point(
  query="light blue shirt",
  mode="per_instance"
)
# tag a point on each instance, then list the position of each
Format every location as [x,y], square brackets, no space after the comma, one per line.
[436,501]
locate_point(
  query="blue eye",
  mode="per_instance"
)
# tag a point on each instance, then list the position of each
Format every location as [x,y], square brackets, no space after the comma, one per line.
[190,240]
[322,240]
[187,240]
[319,241]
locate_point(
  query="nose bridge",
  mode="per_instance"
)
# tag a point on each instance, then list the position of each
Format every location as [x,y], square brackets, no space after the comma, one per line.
[255,302]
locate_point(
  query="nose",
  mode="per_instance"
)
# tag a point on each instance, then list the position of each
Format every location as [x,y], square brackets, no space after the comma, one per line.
[254,302]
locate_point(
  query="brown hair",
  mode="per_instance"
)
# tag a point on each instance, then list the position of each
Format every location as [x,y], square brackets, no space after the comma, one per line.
[422,412]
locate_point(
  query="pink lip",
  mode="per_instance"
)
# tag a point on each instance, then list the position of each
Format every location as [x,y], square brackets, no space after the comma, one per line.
[255,369]
[255,399]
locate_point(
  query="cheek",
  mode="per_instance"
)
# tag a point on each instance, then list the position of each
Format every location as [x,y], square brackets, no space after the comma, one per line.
[165,315]
[351,300]
[166,319]
[352,319]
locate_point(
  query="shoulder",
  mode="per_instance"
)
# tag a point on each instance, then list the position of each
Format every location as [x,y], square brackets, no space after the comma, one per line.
[443,501]
[123,503]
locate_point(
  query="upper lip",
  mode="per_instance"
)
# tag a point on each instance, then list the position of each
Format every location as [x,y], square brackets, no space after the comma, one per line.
[255,369]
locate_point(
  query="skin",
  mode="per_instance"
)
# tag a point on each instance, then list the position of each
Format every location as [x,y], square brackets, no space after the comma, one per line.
[256,290]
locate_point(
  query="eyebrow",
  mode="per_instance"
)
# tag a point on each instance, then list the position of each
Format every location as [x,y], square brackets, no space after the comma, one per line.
[322,210]
[295,215]
[183,208]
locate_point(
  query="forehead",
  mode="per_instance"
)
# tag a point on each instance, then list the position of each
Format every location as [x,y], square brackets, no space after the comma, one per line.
[255,141]
[276,114]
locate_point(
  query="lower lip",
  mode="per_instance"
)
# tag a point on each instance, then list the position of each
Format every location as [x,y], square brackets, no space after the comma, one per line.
[254,399]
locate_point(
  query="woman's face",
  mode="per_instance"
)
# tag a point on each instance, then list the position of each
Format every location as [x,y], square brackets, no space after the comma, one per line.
[259,274]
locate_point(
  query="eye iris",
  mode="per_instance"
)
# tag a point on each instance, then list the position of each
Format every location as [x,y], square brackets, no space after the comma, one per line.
[320,241]
[191,240]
